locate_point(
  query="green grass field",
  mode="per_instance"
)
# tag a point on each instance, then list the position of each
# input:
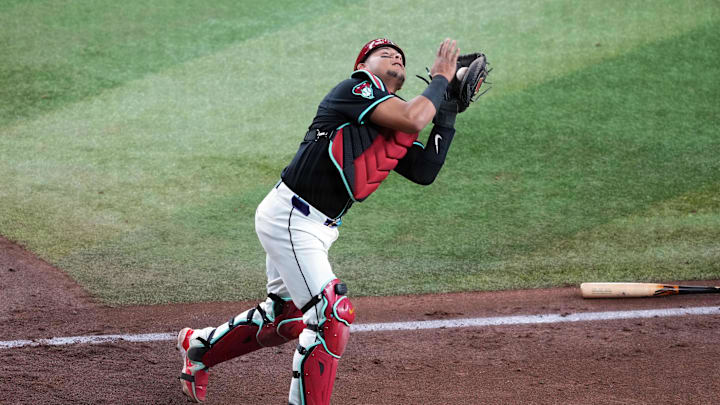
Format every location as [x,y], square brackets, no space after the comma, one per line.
[136,141]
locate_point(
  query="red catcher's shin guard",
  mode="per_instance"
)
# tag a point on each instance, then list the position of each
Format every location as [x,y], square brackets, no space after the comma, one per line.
[320,361]
[254,331]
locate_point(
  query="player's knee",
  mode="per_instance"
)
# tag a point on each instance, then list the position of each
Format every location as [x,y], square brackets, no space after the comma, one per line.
[271,323]
[284,325]
[335,313]
[321,345]
[340,313]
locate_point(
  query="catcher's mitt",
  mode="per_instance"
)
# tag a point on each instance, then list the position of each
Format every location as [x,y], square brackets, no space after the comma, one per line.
[465,91]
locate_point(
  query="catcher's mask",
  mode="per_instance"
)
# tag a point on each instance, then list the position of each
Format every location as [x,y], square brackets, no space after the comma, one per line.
[374,44]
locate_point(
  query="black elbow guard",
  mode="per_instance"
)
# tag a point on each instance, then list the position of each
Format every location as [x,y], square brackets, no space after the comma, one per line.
[428,175]
[438,144]
[434,154]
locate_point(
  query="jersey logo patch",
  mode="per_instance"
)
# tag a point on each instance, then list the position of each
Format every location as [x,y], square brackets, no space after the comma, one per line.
[364,89]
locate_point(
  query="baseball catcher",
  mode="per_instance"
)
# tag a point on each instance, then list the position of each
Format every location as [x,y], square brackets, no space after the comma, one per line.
[361,132]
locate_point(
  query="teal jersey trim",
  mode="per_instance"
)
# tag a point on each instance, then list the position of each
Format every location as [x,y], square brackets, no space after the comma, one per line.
[419,144]
[360,118]
[337,166]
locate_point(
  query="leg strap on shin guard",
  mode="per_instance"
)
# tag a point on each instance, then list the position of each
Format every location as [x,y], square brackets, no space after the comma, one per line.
[320,359]
[271,323]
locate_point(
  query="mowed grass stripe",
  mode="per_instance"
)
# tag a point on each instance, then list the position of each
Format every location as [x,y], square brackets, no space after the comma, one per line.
[538,186]
[155,183]
[201,105]
[495,226]
[61,52]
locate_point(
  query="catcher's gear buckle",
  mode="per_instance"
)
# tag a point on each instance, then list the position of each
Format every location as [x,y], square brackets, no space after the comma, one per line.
[321,134]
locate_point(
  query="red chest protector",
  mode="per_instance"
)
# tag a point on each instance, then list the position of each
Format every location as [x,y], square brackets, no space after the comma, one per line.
[365,156]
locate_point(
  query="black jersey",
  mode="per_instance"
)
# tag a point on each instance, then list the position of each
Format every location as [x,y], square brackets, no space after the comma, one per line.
[344,156]
[312,174]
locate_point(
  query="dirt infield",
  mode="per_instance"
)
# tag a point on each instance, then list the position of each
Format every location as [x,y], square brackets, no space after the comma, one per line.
[633,361]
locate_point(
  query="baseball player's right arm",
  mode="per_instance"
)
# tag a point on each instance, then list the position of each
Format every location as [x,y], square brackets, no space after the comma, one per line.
[412,116]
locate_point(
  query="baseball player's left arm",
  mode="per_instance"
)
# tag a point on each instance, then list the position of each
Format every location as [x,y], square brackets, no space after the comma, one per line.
[423,162]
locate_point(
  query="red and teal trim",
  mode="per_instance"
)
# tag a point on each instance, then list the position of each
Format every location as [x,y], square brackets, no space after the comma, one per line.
[374,79]
[336,156]
[362,115]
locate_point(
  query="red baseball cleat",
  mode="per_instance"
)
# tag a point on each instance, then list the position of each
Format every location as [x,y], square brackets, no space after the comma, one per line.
[194,376]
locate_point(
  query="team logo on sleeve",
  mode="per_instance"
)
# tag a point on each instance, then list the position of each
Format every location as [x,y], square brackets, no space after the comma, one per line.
[364,89]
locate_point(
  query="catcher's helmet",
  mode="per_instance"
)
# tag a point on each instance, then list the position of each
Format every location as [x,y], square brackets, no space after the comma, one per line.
[374,44]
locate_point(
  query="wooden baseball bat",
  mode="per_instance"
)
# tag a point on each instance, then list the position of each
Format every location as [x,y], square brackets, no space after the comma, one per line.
[627,290]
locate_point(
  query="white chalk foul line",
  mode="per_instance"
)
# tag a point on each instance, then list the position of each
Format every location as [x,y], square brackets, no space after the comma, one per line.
[72,340]
[535,319]
[396,326]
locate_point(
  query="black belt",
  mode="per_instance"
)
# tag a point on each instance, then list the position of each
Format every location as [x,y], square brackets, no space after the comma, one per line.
[304,208]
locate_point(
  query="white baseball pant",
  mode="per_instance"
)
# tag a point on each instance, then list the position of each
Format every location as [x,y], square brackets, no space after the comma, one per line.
[296,239]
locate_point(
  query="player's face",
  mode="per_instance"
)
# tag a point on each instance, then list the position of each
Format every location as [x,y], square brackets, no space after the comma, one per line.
[387,63]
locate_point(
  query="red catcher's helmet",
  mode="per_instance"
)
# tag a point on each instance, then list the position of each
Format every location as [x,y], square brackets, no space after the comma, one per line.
[374,44]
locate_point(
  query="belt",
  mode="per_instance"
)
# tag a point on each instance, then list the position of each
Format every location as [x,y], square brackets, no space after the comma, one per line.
[304,208]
